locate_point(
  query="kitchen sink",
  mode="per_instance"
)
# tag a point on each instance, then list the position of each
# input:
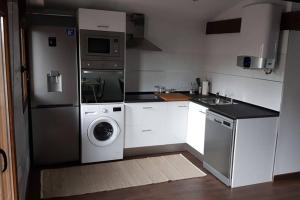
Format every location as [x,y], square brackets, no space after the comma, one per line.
[215,101]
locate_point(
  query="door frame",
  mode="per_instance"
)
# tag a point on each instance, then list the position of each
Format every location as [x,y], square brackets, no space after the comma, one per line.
[10,176]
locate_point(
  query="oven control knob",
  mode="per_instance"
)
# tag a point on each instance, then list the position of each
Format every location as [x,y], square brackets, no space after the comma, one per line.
[104,110]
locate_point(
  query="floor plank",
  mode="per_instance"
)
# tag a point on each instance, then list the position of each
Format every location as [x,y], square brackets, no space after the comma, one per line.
[204,188]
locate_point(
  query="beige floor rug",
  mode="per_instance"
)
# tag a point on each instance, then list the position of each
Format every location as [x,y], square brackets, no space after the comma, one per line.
[116,175]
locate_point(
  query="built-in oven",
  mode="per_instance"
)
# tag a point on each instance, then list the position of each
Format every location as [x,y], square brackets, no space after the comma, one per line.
[102,86]
[101,49]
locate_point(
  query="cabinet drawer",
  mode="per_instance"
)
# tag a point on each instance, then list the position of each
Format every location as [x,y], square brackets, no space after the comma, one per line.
[139,136]
[101,20]
[144,114]
[197,107]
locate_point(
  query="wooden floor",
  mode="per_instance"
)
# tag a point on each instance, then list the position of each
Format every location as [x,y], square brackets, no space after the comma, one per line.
[205,188]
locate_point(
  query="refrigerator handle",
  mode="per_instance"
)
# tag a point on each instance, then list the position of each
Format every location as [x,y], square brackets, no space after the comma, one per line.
[55,106]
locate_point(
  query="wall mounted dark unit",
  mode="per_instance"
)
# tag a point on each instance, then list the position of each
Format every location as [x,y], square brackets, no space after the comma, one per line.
[3,7]
[46,17]
[289,21]
[135,23]
[224,26]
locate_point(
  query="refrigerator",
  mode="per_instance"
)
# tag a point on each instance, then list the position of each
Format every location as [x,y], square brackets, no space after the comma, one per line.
[54,97]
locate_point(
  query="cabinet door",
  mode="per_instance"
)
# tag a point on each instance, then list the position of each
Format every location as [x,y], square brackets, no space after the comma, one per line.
[143,136]
[49,130]
[176,126]
[101,20]
[196,127]
[144,114]
[145,124]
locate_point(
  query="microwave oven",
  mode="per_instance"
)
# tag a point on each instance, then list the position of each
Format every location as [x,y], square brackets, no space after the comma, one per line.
[101,49]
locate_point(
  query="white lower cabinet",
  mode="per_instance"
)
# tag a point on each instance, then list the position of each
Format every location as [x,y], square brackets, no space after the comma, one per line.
[177,119]
[196,127]
[144,124]
[151,124]
[141,136]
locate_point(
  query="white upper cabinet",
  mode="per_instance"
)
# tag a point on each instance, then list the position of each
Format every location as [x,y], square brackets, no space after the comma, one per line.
[101,20]
[196,127]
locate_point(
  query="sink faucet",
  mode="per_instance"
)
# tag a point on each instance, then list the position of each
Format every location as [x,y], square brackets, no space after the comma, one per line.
[229,98]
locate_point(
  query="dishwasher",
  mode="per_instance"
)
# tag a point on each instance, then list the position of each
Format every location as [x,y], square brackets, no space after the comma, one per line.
[218,146]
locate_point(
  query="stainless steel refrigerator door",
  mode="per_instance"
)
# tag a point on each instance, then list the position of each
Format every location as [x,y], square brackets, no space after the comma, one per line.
[53,66]
[218,146]
[55,134]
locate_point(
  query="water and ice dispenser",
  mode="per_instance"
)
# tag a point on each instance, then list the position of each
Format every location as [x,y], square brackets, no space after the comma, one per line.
[54,81]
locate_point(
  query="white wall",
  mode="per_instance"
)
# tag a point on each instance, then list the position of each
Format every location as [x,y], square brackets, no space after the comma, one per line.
[253,86]
[288,143]
[20,118]
[176,66]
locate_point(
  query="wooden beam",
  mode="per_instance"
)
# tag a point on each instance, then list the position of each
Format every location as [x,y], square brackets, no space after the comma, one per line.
[3,7]
[290,21]
[296,1]
[224,26]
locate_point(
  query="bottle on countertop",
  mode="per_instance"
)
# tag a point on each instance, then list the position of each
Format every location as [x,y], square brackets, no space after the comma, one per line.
[198,81]
[205,87]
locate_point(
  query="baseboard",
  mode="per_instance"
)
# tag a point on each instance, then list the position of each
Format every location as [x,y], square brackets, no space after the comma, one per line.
[143,151]
[287,176]
[194,152]
[162,149]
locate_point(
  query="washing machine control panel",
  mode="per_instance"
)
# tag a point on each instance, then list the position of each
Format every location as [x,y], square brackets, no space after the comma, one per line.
[104,110]
[117,109]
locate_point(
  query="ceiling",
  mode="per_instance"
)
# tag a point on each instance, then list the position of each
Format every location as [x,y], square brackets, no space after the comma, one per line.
[174,9]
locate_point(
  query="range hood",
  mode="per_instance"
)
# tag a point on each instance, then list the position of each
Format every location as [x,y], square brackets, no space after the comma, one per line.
[259,36]
[135,23]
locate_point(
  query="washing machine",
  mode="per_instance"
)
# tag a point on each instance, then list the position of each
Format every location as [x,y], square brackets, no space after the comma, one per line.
[102,132]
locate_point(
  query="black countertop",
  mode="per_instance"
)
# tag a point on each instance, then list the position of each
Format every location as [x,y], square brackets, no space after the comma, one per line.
[243,111]
[142,97]
[240,110]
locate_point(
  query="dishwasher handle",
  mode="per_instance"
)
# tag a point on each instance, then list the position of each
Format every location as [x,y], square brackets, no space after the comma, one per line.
[223,121]
[218,121]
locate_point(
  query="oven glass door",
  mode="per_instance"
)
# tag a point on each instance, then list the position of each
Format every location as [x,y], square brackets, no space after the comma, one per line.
[99,86]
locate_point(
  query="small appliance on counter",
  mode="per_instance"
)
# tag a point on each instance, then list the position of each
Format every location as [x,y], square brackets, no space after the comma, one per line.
[198,81]
[205,88]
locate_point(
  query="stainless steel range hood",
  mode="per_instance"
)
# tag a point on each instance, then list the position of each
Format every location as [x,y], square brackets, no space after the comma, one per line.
[135,23]
[259,36]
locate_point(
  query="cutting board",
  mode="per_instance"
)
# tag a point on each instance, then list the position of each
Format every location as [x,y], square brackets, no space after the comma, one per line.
[174,97]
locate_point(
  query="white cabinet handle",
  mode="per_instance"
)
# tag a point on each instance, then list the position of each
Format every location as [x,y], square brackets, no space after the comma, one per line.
[147,108]
[146,130]
[103,26]
[182,106]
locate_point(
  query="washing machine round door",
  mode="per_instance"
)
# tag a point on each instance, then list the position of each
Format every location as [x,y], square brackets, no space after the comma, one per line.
[103,131]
